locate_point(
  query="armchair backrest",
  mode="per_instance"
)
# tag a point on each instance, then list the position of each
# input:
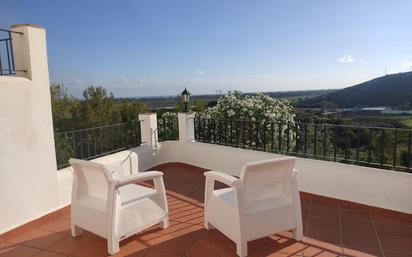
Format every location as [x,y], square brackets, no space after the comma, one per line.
[267,179]
[91,179]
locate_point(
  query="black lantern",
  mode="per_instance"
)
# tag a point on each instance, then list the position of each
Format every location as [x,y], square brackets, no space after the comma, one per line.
[185,98]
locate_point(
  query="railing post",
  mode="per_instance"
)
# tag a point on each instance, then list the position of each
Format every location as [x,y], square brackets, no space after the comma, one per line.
[148,129]
[186,126]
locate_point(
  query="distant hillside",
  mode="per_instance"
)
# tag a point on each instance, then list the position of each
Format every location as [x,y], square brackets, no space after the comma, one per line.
[170,101]
[389,90]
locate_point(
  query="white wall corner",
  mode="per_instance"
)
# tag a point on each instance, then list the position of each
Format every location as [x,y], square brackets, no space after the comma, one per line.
[186,121]
[148,130]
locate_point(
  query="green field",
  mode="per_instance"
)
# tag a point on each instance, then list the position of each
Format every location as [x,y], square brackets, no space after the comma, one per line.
[407,122]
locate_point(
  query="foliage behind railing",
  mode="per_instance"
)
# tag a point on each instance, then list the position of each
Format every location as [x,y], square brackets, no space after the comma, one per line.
[167,126]
[379,147]
[94,142]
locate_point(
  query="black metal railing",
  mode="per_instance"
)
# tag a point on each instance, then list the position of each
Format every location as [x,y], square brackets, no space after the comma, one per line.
[168,127]
[7,65]
[387,148]
[94,142]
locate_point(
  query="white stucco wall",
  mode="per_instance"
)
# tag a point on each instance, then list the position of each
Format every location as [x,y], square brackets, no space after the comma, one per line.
[28,187]
[374,187]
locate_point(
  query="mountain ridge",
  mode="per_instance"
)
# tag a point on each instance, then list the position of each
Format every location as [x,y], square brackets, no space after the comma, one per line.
[388,90]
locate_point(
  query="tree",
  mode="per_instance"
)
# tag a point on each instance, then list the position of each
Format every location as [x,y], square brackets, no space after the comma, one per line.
[64,107]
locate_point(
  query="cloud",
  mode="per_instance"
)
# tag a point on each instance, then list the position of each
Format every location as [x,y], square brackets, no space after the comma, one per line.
[200,72]
[362,61]
[346,59]
[406,65]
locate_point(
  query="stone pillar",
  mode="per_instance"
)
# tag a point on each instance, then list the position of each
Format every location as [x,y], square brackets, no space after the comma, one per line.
[148,129]
[186,126]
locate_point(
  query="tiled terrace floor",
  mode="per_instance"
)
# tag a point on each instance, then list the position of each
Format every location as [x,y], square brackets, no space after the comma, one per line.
[330,230]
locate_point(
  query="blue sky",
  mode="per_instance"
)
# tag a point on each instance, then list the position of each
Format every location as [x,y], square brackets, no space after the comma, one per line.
[151,48]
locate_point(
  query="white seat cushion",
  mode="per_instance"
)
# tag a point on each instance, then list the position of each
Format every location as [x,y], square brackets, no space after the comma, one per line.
[227,195]
[131,193]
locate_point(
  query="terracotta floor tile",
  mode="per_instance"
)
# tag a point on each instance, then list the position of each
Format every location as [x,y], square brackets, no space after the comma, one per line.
[352,239]
[277,254]
[175,246]
[326,235]
[216,236]
[394,229]
[396,243]
[305,204]
[358,226]
[325,246]
[18,251]
[38,238]
[93,249]
[316,203]
[131,251]
[361,252]
[356,215]
[153,239]
[310,251]
[397,254]
[328,254]
[160,254]
[259,243]
[323,211]
[56,225]
[323,222]
[48,254]
[378,219]
[184,229]
[4,246]
[293,248]
[31,234]
[70,244]
[205,249]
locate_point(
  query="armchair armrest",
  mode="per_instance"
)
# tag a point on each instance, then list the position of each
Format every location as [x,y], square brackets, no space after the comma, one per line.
[223,178]
[143,176]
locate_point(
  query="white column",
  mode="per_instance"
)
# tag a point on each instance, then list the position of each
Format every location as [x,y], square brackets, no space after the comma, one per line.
[186,126]
[148,129]
[30,52]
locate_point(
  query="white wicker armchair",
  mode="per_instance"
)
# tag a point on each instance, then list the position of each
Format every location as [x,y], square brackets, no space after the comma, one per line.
[263,201]
[112,206]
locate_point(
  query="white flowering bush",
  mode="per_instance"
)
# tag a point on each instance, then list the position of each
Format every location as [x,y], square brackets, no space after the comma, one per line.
[251,121]
[167,126]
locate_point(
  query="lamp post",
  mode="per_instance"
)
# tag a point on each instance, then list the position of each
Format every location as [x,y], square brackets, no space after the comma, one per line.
[185,98]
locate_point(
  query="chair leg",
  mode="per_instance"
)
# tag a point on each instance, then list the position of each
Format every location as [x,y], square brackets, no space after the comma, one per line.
[241,248]
[298,233]
[165,223]
[113,245]
[76,231]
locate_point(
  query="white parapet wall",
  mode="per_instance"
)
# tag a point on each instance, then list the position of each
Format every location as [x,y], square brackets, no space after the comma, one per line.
[375,187]
[28,178]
